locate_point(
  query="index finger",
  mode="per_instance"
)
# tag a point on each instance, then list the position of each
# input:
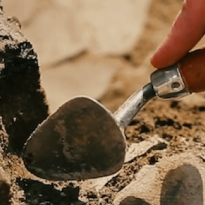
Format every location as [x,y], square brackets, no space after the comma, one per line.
[187,30]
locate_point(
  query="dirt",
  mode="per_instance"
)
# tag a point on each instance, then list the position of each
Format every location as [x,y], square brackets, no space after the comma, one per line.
[180,124]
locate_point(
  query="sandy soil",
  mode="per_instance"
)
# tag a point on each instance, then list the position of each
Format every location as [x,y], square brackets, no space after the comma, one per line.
[171,135]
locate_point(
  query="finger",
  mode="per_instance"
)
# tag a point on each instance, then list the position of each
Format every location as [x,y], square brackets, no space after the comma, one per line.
[187,30]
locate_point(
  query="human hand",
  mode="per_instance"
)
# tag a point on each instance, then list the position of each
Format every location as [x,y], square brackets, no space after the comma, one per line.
[187,30]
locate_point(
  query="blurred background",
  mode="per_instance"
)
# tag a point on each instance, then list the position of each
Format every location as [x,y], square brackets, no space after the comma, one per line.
[92,47]
[79,42]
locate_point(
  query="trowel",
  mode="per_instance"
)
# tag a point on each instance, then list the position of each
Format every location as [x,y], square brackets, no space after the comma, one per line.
[84,140]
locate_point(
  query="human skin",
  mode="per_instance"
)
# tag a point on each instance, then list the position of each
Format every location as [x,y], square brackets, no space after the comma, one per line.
[186,31]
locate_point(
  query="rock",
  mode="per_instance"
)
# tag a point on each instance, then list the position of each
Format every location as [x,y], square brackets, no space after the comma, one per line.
[140,187]
[182,186]
[175,180]
[138,149]
[133,201]
[135,150]
[23,104]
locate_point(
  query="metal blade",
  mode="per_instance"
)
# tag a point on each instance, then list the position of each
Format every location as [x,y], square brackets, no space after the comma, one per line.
[81,140]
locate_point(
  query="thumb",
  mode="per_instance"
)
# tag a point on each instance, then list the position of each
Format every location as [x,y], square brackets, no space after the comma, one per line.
[187,30]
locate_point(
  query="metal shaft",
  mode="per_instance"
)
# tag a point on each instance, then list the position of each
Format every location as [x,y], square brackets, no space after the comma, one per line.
[127,111]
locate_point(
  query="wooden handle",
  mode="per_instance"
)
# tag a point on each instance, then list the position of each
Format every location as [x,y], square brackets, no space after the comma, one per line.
[192,69]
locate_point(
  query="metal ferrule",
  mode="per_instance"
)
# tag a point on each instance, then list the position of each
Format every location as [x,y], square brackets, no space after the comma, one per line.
[168,83]
[127,111]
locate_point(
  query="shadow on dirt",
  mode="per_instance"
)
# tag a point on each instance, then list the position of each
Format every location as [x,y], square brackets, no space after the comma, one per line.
[4,193]
[38,193]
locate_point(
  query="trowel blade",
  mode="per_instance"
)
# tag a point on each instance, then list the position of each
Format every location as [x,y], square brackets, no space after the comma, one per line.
[81,140]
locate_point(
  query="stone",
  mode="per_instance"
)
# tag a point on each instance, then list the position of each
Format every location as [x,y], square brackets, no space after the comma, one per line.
[175,180]
[23,103]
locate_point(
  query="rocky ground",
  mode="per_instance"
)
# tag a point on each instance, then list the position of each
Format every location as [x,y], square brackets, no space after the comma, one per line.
[165,156]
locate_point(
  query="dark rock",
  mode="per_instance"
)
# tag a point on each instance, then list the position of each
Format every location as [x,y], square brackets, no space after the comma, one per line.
[22,100]
[4,188]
